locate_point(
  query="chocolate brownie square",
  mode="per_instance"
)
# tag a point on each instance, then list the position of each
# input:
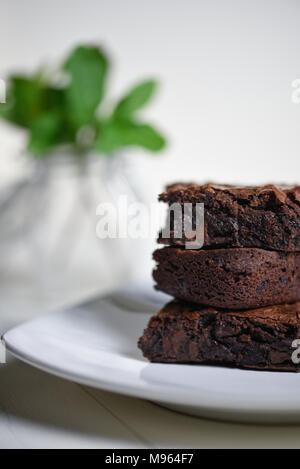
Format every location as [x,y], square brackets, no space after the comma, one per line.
[259,339]
[266,217]
[235,278]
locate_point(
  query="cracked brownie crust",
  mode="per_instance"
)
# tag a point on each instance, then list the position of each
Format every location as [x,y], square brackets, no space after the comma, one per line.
[266,217]
[256,339]
[240,278]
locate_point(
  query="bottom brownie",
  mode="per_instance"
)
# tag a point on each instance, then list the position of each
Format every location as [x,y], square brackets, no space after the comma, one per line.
[258,339]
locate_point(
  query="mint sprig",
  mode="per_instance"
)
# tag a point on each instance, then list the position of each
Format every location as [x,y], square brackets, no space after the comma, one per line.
[135,99]
[87,70]
[57,114]
[115,134]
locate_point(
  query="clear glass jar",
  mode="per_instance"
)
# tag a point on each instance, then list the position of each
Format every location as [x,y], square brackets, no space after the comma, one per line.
[48,222]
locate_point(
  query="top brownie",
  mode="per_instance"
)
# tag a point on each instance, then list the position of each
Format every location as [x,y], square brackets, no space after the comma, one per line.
[265,217]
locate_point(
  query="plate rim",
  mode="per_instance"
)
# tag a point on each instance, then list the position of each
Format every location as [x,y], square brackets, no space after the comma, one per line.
[151,391]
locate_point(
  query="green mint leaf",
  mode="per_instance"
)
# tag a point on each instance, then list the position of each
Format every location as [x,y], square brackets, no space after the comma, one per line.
[87,68]
[27,99]
[142,135]
[53,99]
[115,134]
[45,133]
[109,137]
[24,101]
[135,99]
[6,111]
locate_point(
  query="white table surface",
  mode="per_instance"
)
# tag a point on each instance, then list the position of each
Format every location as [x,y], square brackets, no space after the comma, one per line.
[38,410]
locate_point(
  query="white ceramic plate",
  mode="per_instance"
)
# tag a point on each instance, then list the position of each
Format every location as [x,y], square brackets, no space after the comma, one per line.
[95,344]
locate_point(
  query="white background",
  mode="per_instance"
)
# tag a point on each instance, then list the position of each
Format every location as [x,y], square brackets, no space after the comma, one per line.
[225,68]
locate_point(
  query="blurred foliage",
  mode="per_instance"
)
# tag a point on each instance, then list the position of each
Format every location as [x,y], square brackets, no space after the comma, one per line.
[66,108]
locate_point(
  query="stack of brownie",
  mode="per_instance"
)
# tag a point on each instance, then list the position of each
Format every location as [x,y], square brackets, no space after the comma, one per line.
[237,299]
